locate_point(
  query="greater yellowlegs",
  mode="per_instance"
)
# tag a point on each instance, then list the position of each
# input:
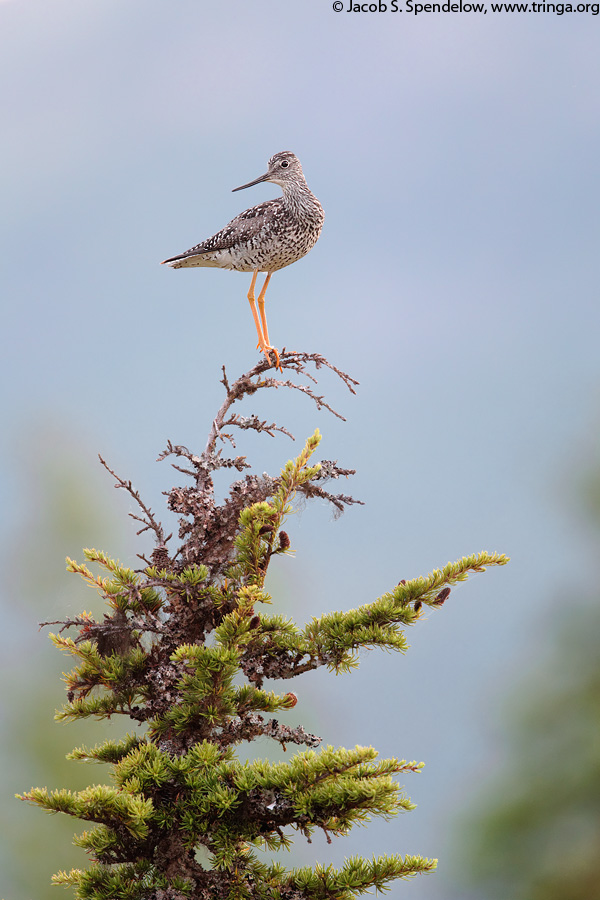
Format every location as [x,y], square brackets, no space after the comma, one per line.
[264,238]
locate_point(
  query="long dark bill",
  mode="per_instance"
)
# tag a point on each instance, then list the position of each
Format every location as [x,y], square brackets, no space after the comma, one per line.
[251,183]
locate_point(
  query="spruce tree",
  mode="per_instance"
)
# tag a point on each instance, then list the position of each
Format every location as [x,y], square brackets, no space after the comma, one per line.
[186,650]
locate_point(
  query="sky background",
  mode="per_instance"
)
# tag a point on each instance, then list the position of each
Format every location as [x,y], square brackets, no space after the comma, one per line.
[456,278]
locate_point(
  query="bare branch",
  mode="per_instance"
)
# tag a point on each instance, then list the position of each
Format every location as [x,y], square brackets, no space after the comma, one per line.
[246,385]
[148,520]
[247,422]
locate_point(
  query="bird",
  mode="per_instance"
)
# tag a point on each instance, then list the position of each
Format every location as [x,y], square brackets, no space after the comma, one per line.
[264,238]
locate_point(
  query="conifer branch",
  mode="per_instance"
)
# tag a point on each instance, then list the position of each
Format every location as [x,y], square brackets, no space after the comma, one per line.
[333,639]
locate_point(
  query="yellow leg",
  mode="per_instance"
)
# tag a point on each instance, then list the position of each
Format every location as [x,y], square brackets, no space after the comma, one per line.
[261,307]
[263,318]
[262,344]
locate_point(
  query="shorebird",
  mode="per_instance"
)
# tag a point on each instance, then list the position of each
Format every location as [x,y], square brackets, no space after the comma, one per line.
[264,238]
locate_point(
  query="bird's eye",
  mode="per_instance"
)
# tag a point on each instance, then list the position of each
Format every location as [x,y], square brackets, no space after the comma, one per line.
[284,163]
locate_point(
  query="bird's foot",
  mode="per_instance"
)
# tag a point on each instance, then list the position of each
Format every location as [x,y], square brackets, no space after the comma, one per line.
[267,349]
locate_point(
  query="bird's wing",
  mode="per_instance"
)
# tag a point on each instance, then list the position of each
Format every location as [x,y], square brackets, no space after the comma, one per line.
[237,232]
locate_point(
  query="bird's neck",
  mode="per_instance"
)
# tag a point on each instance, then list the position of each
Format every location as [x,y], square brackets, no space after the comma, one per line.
[301,202]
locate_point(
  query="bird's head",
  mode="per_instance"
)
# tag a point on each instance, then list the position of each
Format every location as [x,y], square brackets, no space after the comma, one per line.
[283,168]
